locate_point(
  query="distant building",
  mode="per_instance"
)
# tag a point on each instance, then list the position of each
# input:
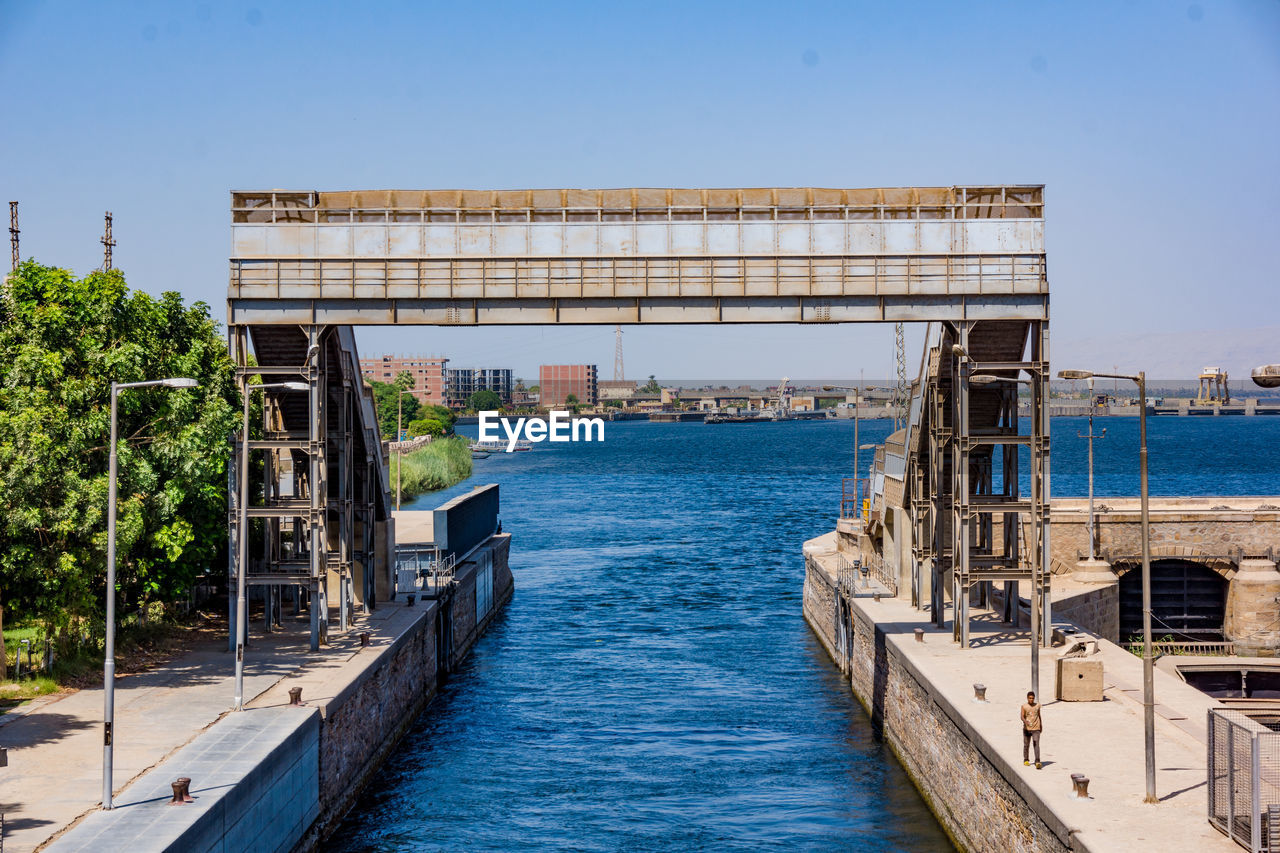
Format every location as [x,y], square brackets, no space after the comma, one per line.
[428,374]
[461,383]
[616,389]
[557,381]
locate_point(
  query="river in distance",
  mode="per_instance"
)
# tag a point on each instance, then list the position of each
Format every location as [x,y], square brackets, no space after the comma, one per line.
[652,684]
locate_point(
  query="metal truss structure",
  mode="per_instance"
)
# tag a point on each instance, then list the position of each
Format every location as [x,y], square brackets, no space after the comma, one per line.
[308,266]
[974,522]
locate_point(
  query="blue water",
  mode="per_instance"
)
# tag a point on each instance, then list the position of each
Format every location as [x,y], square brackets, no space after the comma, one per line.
[653,686]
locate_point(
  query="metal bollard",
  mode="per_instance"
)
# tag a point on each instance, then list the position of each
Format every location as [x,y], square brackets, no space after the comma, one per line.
[919,635]
[1080,786]
[979,692]
[875,596]
[364,638]
[186,789]
[180,796]
[295,695]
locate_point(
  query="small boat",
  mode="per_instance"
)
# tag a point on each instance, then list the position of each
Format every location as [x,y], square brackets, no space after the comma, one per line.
[479,454]
[498,446]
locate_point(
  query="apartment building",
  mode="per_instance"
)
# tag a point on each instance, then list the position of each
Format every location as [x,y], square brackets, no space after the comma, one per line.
[558,381]
[428,374]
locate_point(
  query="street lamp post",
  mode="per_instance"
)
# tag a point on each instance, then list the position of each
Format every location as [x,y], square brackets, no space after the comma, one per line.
[399,434]
[109,661]
[1148,664]
[1091,437]
[242,558]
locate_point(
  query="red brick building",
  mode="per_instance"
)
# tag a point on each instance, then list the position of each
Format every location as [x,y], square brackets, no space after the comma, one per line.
[558,381]
[428,374]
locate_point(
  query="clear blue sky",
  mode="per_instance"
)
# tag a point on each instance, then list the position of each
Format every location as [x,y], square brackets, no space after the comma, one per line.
[1153,125]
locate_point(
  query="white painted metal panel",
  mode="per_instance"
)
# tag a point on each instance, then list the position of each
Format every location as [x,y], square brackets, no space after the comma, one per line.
[248,241]
[370,241]
[333,241]
[404,241]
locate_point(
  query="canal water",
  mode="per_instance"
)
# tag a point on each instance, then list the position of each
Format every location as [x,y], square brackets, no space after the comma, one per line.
[653,685]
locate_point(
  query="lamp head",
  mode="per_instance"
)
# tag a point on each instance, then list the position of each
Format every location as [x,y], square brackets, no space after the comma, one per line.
[1075,374]
[987,379]
[295,386]
[959,350]
[179,382]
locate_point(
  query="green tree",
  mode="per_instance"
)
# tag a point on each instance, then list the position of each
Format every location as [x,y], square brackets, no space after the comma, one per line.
[63,341]
[571,403]
[612,404]
[484,400]
[652,386]
[425,426]
[386,399]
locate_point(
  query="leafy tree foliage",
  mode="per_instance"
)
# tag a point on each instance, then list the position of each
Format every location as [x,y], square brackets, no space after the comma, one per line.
[439,413]
[484,400]
[652,386]
[386,399]
[63,341]
[424,426]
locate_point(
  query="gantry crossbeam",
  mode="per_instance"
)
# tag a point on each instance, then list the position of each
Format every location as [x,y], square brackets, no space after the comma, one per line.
[638,256]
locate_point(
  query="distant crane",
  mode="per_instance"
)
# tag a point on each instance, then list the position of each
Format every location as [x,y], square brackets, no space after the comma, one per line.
[1213,387]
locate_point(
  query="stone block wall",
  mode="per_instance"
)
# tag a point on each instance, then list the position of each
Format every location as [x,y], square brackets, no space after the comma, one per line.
[945,759]
[365,720]
[1095,607]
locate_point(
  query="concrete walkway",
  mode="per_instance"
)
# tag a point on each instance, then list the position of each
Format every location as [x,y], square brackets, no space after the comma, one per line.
[54,775]
[1103,740]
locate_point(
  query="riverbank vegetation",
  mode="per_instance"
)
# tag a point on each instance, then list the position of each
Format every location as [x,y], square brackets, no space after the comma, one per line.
[439,465]
[63,341]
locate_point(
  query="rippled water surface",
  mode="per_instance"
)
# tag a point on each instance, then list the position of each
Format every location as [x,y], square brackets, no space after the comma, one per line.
[653,686]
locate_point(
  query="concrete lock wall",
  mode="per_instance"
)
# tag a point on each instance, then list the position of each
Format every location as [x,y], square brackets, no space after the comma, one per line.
[364,722]
[1214,526]
[945,759]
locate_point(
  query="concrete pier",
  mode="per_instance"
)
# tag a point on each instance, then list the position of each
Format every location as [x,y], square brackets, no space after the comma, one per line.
[273,777]
[965,755]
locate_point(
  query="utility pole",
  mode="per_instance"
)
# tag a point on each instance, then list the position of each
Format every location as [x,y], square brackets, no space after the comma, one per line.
[13,231]
[107,243]
[1091,436]
[618,372]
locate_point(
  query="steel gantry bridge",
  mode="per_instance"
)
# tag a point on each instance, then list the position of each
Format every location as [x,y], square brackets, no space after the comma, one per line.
[306,267]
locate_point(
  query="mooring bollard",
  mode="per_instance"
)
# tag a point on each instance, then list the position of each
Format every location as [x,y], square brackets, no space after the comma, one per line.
[181,792]
[979,692]
[364,638]
[919,635]
[295,695]
[1080,786]
[875,596]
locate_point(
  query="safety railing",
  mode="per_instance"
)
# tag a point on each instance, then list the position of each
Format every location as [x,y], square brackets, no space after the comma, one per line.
[854,577]
[423,570]
[1244,780]
[852,492]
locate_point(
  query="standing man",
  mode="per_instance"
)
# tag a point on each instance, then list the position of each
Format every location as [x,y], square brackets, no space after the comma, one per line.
[1031,726]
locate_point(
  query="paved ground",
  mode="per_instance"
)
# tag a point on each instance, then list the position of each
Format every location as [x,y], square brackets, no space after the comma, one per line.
[1103,740]
[55,749]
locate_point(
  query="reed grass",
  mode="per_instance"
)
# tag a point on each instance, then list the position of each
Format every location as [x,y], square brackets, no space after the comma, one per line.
[439,465]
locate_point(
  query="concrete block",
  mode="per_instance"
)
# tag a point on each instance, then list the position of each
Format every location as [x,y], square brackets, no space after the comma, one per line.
[1079,680]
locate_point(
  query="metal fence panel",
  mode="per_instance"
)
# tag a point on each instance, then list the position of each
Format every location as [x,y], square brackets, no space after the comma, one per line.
[1244,780]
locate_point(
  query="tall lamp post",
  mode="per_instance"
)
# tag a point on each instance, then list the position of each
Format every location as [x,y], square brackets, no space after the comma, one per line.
[242,558]
[109,662]
[1091,436]
[399,435]
[1148,677]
